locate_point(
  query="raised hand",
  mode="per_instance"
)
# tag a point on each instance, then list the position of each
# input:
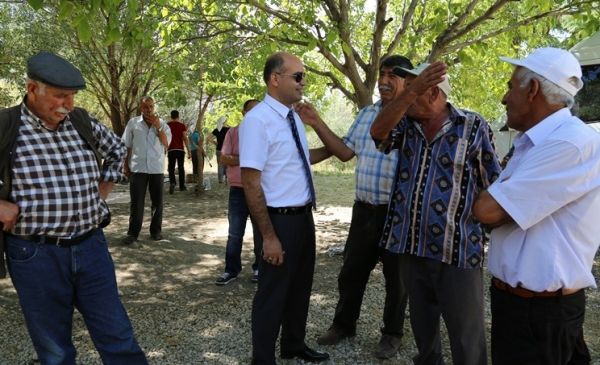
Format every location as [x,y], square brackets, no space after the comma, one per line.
[431,76]
[308,114]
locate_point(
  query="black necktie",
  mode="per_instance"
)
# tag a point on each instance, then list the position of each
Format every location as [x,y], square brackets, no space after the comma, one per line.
[313,198]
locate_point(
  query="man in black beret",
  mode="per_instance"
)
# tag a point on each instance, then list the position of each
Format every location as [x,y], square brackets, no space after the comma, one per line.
[53,211]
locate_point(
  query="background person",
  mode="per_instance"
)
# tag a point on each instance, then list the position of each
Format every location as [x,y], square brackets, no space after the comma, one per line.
[219,134]
[176,153]
[146,137]
[237,212]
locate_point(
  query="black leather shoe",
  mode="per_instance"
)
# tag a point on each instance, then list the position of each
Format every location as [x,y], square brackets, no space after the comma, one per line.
[307,355]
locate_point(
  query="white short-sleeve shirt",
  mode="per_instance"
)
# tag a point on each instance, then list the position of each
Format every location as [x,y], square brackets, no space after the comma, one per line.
[147,151]
[551,189]
[267,145]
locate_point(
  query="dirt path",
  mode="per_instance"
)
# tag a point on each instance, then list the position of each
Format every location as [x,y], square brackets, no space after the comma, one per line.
[181,317]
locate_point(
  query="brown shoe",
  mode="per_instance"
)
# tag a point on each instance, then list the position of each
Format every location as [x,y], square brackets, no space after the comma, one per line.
[333,336]
[387,347]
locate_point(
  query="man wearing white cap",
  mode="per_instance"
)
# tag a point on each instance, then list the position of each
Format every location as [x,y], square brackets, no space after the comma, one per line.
[544,208]
[446,158]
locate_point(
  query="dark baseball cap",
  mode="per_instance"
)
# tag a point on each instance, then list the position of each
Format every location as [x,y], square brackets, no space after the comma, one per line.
[396,63]
[55,71]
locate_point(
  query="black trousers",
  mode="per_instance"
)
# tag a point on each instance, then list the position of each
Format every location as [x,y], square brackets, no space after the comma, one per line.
[435,290]
[179,157]
[538,331]
[194,154]
[283,294]
[361,254]
[138,183]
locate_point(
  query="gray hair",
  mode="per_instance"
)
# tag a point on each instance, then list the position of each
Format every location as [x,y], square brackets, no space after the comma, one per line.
[146,98]
[41,86]
[553,93]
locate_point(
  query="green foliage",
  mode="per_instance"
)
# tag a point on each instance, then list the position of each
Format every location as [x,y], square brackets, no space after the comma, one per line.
[217,48]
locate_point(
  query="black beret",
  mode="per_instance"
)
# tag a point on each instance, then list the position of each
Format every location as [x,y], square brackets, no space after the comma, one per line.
[54,71]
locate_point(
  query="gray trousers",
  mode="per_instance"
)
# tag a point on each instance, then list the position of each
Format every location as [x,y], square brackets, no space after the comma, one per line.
[439,290]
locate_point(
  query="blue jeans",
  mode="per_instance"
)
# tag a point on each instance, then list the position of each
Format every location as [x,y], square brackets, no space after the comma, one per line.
[238,216]
[51,281]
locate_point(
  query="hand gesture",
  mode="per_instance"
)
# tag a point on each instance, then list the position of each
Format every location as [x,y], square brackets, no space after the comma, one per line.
[431,76]
[308,114]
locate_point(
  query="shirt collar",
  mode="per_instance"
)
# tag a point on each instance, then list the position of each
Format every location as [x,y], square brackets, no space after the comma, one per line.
[277,106]
[539,132]
[455,115]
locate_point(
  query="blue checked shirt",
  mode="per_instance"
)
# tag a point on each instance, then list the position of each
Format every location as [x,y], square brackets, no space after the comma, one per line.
[56,176]
[374,170]
[436,184]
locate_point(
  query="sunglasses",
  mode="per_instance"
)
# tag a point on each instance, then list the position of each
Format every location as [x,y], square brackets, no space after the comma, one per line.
[298,76]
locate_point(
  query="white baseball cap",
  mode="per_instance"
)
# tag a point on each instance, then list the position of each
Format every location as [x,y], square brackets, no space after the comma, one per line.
[444,85]
[557,65]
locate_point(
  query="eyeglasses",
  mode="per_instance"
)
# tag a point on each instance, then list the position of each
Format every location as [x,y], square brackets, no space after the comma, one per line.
[298,76]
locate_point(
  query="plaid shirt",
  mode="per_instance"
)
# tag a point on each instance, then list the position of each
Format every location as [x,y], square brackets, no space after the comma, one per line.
[55,177]
[435,187]
[374,170]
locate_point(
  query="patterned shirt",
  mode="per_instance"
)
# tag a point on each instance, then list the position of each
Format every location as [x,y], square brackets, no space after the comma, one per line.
[374,170]
[435,187]
[55,177]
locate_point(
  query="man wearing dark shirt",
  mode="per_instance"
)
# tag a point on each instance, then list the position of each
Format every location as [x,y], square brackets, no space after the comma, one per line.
[219,134]
[446,158]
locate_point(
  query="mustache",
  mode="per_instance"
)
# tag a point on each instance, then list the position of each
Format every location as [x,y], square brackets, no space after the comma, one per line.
[63,110]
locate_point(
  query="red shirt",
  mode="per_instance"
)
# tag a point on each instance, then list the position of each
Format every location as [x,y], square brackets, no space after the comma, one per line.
[178,130]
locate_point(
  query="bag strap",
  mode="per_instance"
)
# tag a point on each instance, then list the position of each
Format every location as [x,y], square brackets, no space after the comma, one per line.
[81,121]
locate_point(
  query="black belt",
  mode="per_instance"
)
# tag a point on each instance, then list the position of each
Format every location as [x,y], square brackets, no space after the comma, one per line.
[370,206]
[290,210]
[58,241]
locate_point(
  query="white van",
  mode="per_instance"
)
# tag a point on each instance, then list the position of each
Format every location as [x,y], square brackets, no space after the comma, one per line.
[587,105]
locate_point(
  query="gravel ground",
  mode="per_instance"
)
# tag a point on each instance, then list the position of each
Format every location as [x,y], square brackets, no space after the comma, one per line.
[181,317]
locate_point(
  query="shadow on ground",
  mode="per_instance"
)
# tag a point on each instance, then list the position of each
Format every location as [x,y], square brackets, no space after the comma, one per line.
[181,317]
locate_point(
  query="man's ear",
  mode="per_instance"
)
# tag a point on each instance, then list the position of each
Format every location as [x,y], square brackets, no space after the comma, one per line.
[31,89]
[534,89]
[274,79]
[434,92]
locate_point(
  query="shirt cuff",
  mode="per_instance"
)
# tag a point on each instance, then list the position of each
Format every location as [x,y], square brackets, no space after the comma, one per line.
[495,190]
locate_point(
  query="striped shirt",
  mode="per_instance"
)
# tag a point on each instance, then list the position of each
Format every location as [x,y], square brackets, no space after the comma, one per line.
[374,170]
[55,177]
[435,187]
